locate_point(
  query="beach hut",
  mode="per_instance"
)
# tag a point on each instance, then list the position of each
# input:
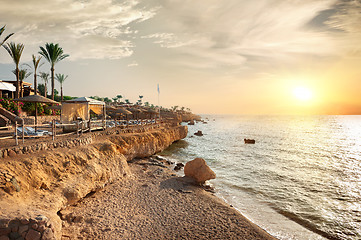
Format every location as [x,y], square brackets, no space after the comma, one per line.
[7,88]
[81,109]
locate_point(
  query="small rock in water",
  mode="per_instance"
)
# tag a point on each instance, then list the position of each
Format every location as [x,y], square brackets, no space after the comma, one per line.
[249,141]
[199,133]
[178,166]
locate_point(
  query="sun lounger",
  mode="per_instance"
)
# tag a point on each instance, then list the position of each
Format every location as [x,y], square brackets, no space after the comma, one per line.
[20,131]
[32,130]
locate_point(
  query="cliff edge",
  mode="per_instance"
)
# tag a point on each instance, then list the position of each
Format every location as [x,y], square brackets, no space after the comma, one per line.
[33,188]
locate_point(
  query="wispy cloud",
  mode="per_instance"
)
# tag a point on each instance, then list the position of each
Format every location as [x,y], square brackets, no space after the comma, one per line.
[246,33]
[133,64]
[88,29]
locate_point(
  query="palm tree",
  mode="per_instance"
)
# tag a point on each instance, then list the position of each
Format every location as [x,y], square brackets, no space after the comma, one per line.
[36,65]
[15,51]
[23,74]
[6,38]
[53,54]
[119,97]
[45,77]
[61,78]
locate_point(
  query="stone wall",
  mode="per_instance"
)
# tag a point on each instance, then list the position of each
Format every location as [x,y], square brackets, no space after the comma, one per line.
[36,228]
[44,146]
[84,139]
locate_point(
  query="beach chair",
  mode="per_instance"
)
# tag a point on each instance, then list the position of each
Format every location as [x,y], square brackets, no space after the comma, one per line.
[20,131]
[32,131]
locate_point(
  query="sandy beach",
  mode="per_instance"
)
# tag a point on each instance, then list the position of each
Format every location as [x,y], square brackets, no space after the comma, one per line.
[154,203]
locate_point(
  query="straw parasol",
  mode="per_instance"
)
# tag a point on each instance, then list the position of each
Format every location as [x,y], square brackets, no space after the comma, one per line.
[151,112]
[36,99]
[124,111]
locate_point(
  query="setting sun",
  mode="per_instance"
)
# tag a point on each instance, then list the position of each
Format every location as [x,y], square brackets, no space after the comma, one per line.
[302,93]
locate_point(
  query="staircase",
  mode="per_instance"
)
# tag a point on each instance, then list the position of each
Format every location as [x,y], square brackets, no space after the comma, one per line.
[7,118]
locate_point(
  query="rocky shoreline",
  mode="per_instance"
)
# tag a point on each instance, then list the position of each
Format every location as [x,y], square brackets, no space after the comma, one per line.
[43,188]
[154,203]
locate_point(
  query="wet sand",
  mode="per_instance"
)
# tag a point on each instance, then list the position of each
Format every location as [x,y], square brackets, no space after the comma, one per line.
[154,203]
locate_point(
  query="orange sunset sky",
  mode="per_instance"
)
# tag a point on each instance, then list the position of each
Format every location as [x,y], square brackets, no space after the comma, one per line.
[219,57]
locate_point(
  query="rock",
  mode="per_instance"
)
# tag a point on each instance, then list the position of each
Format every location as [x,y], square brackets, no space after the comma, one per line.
[191,122]
[23,228]
[14,235]
[199,170]
[44,186]
[24,221]
[48,235]
[178,166]
[15,184]
[33,235]
[78,219]
[11,153]
[199,133]
[249,141]
[34,226]
[4,238]
[5,231]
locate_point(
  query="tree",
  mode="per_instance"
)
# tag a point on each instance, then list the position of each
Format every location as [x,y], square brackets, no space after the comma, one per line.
[41,88]
[107,100]
[6,38]
[53,54]
[23,74]
[45,77]
[140,100]
[15,51]
[119,97]
[36,62]
[127,101]
[61,78]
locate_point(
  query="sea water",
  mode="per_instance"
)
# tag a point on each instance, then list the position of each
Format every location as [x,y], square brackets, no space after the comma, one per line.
[300,180]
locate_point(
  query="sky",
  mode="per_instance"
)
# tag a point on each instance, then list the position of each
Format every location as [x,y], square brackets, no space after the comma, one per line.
[212,56]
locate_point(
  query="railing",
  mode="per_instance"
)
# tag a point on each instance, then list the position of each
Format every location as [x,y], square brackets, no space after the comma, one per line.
[23,131]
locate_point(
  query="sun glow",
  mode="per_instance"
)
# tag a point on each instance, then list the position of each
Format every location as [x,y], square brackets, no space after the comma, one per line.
[302,93]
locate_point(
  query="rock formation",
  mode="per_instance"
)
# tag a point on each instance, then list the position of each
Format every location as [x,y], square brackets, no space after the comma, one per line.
[48,181]
[199,170]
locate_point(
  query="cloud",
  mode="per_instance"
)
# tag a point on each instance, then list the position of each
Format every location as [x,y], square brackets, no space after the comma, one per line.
[87,29]
[241,33]
[133,64]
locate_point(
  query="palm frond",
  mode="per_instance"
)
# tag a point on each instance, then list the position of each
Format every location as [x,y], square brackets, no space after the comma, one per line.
[7,37]
[15,51]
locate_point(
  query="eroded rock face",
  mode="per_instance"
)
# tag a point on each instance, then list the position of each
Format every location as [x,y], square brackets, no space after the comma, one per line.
[199,170]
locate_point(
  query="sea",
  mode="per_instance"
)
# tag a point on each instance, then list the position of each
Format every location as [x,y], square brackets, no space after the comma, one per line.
[300,180]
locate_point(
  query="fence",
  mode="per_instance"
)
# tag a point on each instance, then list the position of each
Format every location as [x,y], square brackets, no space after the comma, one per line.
[24,131]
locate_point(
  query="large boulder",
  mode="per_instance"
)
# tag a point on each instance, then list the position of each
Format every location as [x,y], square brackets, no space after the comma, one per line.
[199,170]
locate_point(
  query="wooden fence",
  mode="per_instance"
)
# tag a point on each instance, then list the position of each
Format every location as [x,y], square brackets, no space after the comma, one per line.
[23,131]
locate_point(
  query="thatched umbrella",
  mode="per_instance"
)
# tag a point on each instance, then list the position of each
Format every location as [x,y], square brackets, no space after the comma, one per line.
[54,107]
[36,99]
[151,112]
[135,111]
[124,111]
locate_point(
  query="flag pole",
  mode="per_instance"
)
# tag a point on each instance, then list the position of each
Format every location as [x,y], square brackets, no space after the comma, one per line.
[158,99]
